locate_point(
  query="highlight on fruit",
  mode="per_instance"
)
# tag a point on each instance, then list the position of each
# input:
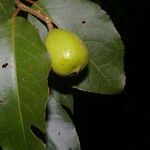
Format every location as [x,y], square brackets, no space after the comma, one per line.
[68,52]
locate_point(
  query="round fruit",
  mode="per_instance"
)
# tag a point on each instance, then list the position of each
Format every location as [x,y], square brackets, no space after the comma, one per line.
[68,52]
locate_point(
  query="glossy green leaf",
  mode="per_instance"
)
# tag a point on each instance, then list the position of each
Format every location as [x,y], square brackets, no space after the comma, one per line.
[6,9]
[60,129]
[24,68]
[105,73]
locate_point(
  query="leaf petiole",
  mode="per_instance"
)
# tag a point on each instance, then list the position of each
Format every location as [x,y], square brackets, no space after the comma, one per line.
[36,13]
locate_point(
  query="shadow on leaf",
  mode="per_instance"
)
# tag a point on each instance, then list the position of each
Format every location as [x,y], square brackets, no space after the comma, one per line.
[64,84]
[38,133]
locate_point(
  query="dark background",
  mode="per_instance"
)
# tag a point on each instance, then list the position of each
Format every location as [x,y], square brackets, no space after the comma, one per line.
[122,121]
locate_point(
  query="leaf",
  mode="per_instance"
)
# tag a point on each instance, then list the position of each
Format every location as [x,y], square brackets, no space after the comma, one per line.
[6,9]
[24,68]
[65,99]
[105,73]
[60,129]
[62,92]
[42,29]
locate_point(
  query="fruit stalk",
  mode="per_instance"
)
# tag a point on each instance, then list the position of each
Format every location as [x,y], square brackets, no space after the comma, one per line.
[36,13]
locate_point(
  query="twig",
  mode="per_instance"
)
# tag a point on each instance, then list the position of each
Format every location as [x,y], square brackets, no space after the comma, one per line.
[16,11]
[36,13]
[30,1]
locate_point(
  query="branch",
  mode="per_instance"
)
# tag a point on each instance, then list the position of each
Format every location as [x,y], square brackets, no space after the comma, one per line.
[30,1]
[36,13]
[16,11]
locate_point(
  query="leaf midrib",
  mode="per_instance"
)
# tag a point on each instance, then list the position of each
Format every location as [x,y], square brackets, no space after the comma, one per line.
[16,80]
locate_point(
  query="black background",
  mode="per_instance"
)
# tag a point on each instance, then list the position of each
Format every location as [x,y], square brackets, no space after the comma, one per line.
[122,121]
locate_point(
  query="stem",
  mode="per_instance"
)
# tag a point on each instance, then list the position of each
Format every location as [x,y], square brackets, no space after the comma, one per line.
[30,1]
[16,11]
[36,13]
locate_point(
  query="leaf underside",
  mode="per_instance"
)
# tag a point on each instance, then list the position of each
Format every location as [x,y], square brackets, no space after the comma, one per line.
[60,129]
[105,72]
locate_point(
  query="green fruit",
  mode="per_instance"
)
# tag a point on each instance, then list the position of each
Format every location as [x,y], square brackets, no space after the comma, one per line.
[68,52]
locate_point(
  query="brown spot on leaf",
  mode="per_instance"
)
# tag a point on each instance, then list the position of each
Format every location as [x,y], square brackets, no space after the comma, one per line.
[59,133]
[5,65]
[83,21]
